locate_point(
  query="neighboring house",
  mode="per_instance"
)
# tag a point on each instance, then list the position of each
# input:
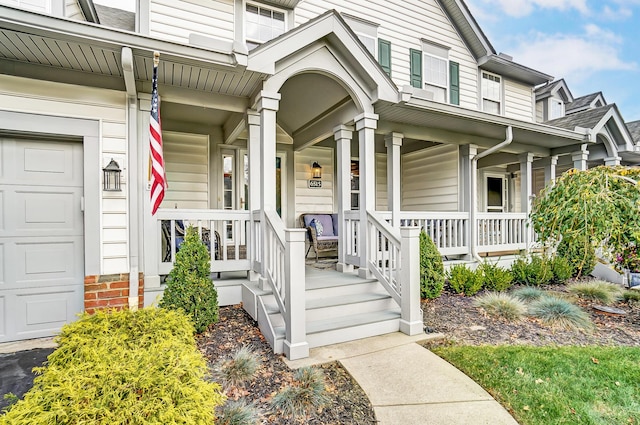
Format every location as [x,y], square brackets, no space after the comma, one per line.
[412,115]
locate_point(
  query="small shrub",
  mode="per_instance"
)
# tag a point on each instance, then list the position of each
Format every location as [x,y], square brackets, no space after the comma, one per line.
[562,270]
[495,278]
[463,280]
[535,271]
[189,286]
[631,295]
[121,368]
[602,292]
[431,268]
[502,305]
[580,254]
[528,294]
[238,413]
[559,312]
[308,393]
[240,368]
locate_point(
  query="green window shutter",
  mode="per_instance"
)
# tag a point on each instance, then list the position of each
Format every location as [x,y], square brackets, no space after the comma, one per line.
[384,55]
[416,68]
[454,83]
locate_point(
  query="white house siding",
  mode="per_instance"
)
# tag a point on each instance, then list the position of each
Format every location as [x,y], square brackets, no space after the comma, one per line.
[72,10]
[430,179]
[539,112]
[108,106]
[538,180]
[187,166]
[314,199]
[404,24]
[40,6]
[382,200]
[518,101]
[175,19]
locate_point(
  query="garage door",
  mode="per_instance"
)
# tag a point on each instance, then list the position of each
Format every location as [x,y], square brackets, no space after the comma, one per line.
[41,236]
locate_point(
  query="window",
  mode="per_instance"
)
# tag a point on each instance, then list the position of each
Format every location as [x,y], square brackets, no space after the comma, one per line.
[42,6]
[496,193]
[431,70]
[263,24]
[228,192]
[556,108]
[355,184]
[491,93]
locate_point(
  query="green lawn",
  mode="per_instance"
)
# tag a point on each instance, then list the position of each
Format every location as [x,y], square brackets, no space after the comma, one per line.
[556,385]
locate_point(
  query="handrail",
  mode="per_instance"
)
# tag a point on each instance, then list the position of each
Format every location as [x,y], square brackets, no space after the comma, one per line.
[385,254]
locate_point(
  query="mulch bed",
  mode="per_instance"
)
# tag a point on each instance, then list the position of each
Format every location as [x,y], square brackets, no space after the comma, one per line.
[349,404]
[464,324]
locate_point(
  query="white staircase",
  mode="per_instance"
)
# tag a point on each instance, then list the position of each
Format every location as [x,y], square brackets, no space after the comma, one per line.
[339,307]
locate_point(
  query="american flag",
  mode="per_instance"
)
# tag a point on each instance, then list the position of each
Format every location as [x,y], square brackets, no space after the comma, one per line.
[158,180]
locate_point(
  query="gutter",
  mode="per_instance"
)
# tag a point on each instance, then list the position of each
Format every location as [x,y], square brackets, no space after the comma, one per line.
[474,189]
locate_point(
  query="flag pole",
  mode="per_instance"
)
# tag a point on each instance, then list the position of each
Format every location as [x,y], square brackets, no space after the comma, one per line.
[156,62]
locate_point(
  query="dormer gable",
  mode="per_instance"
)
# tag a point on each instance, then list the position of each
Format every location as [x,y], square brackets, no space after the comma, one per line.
[551,100]
[590,101]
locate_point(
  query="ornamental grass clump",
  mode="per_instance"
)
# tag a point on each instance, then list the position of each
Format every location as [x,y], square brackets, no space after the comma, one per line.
[528,294]
[241,368]
[431,268]
[631,296]
[306,394]
[600,291]
[498,304]
[189,286]
[494,277]
[558,312]
[463,280]
[238,413]
[121,367]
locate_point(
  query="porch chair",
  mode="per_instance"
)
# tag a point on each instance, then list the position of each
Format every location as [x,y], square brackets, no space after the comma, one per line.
[322,232]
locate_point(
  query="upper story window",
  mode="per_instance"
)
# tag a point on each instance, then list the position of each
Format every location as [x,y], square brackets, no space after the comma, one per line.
[556,108]
[491,93]
[366,31]
[263,24]
[432,71]
[42,6]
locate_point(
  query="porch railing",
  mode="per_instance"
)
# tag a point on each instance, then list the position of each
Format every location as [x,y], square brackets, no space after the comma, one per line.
[225,232]
[449,231]
[283,261]
[501,232]
[394,256]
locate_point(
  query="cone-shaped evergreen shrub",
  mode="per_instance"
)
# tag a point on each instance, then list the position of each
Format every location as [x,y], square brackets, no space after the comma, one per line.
[189,286]
[431,268]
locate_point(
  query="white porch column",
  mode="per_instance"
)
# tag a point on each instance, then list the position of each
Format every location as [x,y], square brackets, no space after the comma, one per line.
[580,158]
[468,193]
[526,191]
[267,106]
[253,153]
[393,142]
[411,315]
[550,164]
[612,161]
[366,124]
[343,135]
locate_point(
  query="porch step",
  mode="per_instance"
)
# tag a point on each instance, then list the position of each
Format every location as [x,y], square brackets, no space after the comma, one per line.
[339,307]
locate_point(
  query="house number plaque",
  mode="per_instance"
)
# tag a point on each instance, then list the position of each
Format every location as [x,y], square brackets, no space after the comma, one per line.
[315,184]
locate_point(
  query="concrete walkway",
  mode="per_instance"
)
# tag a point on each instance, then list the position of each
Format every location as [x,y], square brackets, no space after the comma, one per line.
[408,384]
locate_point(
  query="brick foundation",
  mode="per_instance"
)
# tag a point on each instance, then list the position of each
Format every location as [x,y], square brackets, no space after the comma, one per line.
[110,291]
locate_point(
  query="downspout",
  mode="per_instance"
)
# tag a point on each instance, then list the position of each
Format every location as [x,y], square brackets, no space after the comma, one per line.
[473,210]
[132,182]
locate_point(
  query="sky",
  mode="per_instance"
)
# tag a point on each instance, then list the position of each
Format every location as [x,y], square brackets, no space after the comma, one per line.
[593,44]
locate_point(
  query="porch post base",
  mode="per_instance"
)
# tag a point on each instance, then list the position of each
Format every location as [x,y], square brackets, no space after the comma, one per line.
[364,273]
[296,351]
[411,328]
[152,282]
[263,284]
[253,276]
[344,267]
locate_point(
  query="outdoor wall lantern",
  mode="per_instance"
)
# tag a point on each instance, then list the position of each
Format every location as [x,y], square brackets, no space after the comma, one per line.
[316,170]
[111,177]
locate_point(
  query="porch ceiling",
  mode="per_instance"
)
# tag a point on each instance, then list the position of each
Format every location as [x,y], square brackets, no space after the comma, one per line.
[44,47]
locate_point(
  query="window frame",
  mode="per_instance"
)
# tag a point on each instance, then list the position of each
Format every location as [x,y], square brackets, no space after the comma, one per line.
[555,101]
[500,102]
[425,83]
[254,41]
